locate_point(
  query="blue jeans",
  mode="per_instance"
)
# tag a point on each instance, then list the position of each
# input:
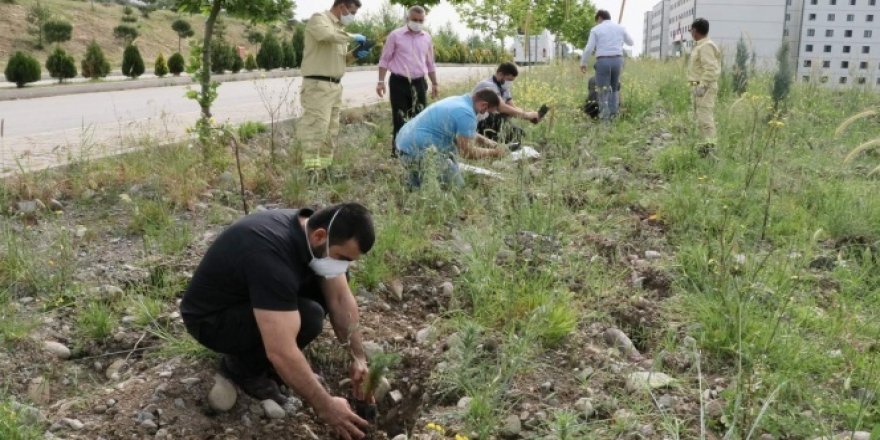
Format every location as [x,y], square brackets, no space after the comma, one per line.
[608,71]
[416,166]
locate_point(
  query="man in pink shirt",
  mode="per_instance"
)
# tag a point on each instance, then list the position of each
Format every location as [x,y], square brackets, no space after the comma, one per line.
[409,55]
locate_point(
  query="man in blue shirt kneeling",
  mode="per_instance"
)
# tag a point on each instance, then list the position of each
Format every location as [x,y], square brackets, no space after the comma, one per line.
[448,126]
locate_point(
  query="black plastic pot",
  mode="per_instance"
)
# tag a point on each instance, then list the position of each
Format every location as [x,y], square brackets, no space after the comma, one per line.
[367,411]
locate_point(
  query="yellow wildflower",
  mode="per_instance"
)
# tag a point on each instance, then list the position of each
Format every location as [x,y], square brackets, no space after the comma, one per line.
[435,427]
[460,437]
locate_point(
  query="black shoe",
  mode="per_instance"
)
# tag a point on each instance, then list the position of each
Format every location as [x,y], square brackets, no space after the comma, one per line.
[706,150]
[259,387]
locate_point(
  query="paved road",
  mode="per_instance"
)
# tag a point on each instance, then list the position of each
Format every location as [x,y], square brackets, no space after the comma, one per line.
[45,132]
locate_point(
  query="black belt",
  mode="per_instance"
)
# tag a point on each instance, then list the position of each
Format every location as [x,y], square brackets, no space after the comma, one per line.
[421,78]
[324,78]
[610,56]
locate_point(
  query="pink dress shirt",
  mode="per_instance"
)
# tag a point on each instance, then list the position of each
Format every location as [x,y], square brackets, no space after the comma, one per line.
[408,54]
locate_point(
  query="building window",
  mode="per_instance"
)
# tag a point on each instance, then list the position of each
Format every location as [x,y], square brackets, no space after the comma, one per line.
[829,32]
[826,64]
[824,79]
[861,80]
[844,64]
[850,17]
[863,65]
[809,48]
[832,2]
[869,18]
[852,2]
[872,2]
[878,81]
[812,17]
[847,34]
[866,49]
[846,49]
[828,48]
[805,78]
[869,33]
[843,80]
[830,17]
[811,32]
[785,32]
[808,63]
[787,17]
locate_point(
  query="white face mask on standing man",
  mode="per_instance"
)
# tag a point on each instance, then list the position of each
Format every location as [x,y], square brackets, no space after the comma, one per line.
[415,26]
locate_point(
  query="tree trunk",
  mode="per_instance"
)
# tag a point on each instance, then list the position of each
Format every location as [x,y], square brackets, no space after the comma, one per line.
[178,43]
[205,102]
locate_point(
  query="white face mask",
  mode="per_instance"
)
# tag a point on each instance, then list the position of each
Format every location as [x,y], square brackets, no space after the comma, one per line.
[347,19]
[482,116]
[415,26]
[326,267]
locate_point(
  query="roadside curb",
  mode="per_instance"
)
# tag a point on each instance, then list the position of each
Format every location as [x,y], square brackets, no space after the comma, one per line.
[168,81]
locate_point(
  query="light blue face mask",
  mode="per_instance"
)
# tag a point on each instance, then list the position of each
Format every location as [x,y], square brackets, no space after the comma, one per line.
[326,267]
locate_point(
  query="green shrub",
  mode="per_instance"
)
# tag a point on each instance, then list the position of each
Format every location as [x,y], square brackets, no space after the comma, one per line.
[61,65]
[250,64]
[270,55]
[22,69]
[783,77]
[94,64]
[183,30]
[132,63]
[125,33]
[288,55]
[160,68]
[57,31]
[740,68]
[176,64]
[237,62]
[222,56]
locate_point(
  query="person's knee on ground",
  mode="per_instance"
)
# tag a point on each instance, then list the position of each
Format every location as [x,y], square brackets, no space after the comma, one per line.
[311,321]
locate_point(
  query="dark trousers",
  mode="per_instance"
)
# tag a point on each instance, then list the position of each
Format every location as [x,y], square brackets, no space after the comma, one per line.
[498,127]
[234,333]
[408,98]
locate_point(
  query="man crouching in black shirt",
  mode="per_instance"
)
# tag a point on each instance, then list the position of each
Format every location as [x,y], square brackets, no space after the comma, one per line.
[261,292]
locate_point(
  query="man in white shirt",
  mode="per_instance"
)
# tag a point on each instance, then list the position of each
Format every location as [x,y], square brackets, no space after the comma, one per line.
[606,40]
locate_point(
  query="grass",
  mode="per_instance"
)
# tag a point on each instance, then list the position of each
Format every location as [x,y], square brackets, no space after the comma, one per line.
[771,247]
[14,425]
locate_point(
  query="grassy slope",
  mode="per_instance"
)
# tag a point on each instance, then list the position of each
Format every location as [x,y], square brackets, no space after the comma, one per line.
[97,24]
[780,298]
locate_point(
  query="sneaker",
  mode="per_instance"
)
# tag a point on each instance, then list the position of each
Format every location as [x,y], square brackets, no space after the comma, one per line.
[259,387]
[706,150]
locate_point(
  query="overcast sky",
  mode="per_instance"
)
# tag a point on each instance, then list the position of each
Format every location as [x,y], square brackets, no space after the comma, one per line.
[633,18]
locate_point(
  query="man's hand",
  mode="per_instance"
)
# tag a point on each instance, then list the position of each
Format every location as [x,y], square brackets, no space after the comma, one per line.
[435,91]
[583,68]
[358,38]
[338,415]
[361,54]
[380,89]
[534,117]
[700,91]
[359,372]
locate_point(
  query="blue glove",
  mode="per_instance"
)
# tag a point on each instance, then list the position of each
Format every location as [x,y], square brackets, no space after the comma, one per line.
[361,54]
[358,38]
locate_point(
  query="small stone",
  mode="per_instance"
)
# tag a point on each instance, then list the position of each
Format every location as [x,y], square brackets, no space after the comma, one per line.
[26,300]
[190,380]
[27,207]
[584,405]
[447,288]
[111,402]
[424,335]
[112,372]
[400,437]
[58,349]
[372,348]
[179,403]
[272,410]
[617,338]
[512,427]
[39,391]
[739,259]
[165,374]
[766,436]
[162,434]
[223,395]
[464,402]
[125,198]
[396,397]
[666,401]
[861,435]
[55,205]
[80,231]
[623,416]
[29,414]
[647,380]
[653,255]
[547,386]
[150,426]
[397,289]
[647,431]
[715,408]
[292,406]
[381,390]
[73,424]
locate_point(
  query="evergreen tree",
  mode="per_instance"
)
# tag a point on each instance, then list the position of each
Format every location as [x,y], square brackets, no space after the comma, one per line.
[782,79]
[237,62]
[250,64]
[270,55]
[57,31]
[37,16]
[132,63]
[740,68]
[176,64]
[61,65]
[94,64]
[160,68]
[22,69]
[183,29]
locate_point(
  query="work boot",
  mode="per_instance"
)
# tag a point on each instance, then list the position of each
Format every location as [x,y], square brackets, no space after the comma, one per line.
[260,387]
[705,150]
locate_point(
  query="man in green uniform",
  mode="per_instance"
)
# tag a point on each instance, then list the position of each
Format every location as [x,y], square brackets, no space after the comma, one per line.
[325,54]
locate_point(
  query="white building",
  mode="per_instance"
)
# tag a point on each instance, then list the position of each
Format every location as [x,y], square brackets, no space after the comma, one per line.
[831,41]
[839,42]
